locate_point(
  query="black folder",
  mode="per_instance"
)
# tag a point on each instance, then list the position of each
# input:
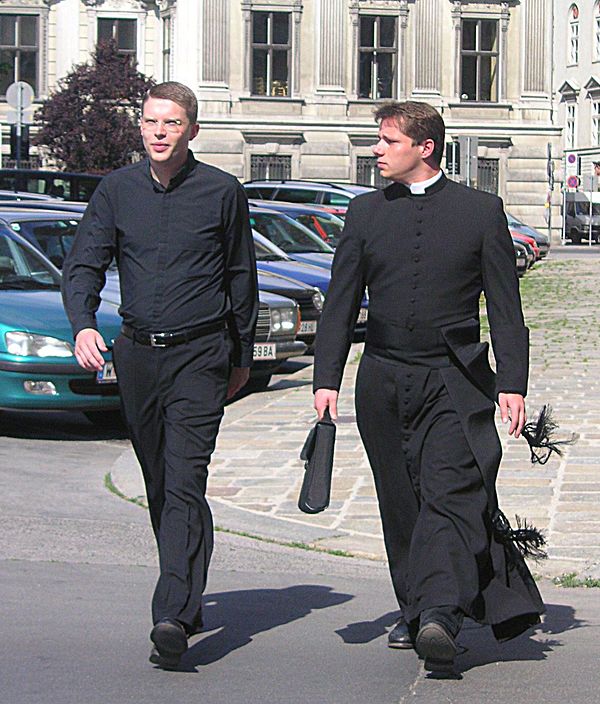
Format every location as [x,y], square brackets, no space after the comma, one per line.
[317,454]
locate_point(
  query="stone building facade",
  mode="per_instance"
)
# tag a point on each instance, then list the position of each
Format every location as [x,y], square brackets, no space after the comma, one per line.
[288,87]
[577,82]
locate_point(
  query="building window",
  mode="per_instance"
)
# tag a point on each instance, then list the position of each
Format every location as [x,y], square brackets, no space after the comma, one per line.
[271,53]
[479,60]
[270,167]
[18,50]
[121,31]
[368,174]
[596,123]
[377,57]
[487,175]
[573,35]
[166,48]
[570,126]
[597,32]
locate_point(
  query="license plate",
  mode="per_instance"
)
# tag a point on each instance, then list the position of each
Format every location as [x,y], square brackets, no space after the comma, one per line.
[363,315]
[308,326]
[267,351]
[107,375]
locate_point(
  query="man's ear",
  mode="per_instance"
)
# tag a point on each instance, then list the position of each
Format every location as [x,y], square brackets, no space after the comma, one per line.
[194,131]
[428,147]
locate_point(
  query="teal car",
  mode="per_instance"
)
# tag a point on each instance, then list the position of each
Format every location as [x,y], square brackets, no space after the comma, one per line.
[38,369]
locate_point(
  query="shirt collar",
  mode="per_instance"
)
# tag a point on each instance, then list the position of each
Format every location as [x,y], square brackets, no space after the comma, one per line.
[184,171]
[419,188]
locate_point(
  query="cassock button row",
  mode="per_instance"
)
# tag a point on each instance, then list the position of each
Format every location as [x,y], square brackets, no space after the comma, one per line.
[411,327]
[419,206]
[417,260]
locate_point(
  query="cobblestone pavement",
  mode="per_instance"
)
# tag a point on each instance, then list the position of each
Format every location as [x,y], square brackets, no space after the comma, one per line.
[256,468]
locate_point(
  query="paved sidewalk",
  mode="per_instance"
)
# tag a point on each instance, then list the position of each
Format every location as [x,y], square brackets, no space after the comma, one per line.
[256,472]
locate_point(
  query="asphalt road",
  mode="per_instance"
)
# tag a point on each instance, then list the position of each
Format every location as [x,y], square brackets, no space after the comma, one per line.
[283,625]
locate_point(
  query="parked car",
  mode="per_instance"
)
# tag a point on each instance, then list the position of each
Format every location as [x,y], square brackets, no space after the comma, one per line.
[315,217]
[22,195]
[542,240]
[57,184]
[308,298]
[38,369]
[521,258]
[50,231]
[275,338]
[269,258]
[335,196]
[295,240]
[529,241]
[578,216]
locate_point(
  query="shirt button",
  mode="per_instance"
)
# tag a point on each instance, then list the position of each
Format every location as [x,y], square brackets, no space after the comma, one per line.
[417,246]
[412,315]
[417,260]
[411,327]
[419,220]
[415,273]
[414,286]
[413,300]
[418,234]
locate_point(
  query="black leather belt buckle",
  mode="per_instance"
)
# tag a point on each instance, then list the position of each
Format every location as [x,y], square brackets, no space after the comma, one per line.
[161,339]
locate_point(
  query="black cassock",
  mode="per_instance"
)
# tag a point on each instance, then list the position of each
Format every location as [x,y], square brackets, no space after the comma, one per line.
[425,391]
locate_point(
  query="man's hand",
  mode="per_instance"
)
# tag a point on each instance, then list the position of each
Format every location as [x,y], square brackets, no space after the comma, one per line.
[326,398]
[238,378]
[512,406]
[89,344]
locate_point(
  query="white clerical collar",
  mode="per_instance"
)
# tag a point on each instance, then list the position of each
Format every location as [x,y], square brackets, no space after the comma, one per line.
[418,188]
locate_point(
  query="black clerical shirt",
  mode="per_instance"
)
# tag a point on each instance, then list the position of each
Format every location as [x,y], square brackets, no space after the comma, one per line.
[185,253]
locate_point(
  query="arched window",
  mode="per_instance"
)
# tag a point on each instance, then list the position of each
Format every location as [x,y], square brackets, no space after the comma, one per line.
[597,31]
[573,35]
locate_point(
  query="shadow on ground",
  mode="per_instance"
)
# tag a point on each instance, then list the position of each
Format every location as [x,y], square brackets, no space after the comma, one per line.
[236,617]
[60,425]
[477,644]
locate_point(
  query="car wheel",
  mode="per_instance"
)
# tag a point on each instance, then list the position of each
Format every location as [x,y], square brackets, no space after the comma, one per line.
[104,419]
[575,237]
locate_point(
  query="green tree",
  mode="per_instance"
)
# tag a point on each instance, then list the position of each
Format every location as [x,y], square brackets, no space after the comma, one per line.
[90,122]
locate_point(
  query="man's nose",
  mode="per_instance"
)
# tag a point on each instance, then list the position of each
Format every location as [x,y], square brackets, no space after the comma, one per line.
[377,148]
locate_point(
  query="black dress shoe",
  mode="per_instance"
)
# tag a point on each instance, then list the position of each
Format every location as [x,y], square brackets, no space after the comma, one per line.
[399,636]
[436,646]
[170,640]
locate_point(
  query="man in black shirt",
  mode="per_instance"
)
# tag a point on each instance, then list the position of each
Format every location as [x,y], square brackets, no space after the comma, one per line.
[180,232]
[426,248]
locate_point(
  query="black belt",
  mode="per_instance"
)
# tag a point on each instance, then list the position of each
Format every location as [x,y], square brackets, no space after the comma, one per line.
[169,339]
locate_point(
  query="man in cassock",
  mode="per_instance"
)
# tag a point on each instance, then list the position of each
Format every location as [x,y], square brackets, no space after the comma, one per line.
[426,248]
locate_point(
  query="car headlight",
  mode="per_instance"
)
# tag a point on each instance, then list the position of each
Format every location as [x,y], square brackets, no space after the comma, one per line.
[26,344]
[318,299]
[283,320]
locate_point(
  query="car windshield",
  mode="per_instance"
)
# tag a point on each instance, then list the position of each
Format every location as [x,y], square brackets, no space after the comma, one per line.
[23,269]
[264,254]
[289,236]
[583,208]
[52,237]
[329,228]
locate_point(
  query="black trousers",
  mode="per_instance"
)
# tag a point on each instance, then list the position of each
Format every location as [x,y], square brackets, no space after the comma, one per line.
[172,400]
[431,496]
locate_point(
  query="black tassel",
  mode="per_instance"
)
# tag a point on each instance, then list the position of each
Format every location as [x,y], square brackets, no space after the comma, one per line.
[539,436]
[526,539]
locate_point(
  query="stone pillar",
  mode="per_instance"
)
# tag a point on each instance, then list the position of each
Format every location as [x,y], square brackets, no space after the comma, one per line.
[67,30]
[331,59]
[427,39]
[214,51]
[535,39]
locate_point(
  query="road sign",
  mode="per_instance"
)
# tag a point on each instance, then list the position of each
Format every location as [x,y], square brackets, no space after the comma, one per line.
[19,93]
[27,117]
[573,182]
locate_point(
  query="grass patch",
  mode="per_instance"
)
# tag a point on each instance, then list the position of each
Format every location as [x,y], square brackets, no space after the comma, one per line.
[137,500]
[284,543]
[140,501]
[571,580]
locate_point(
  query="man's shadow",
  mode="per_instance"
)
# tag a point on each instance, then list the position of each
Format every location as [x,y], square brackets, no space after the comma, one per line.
[237,616]
[477,645]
